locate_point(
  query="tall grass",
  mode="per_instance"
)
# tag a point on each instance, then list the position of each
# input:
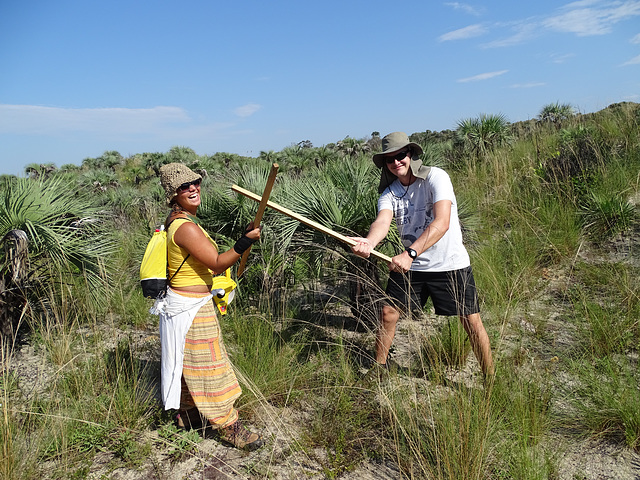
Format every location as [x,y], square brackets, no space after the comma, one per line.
[98,394]
[447,435]
[553,302]
[605,400]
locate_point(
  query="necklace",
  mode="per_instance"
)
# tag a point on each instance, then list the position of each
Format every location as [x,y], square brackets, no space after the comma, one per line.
[405,190]
[401,196]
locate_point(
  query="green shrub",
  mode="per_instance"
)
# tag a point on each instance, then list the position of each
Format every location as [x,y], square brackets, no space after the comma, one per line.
[605,215]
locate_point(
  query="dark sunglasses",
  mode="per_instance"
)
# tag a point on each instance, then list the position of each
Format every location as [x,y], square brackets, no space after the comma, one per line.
[185,186]
[398,156]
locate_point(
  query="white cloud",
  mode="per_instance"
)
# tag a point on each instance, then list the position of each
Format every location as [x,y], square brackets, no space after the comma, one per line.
[523,32]
[482,76]
[463,33]
[582,18]
[581,3]
[465,7]
[633,61]
[586,18]
[561,58]
[35,119]
[115,124]
[528,85]
[635,40]
[247,110]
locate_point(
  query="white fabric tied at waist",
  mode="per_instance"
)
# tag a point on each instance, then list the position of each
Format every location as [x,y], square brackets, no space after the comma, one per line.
[176,314]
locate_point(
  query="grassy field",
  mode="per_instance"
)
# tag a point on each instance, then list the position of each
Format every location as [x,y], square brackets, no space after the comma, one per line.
[549,210]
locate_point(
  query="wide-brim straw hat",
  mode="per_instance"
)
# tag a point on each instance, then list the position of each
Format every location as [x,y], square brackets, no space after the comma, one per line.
[392,143]
[172,175]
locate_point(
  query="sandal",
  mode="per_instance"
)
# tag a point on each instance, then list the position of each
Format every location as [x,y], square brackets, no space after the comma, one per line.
[189,419]
[237,435]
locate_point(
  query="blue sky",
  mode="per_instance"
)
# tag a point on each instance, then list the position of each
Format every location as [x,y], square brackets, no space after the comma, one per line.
[78,78]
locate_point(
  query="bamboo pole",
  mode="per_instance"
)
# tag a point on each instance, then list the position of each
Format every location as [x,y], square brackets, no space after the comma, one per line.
[306,221]
[261,208]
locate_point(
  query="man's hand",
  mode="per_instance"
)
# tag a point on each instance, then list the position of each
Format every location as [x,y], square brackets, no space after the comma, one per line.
[401,263]
[363,247]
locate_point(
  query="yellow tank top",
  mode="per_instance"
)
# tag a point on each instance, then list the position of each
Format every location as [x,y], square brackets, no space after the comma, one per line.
[192,271]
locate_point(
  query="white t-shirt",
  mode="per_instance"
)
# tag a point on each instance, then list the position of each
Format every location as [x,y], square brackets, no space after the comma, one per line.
[412,208]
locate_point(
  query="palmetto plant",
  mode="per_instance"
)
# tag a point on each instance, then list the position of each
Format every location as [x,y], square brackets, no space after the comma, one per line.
[604,215]
[352,147]
[99,180]
[181,154]
[42,170]
[484,133]
[65,236]
[342,196]
[556,112]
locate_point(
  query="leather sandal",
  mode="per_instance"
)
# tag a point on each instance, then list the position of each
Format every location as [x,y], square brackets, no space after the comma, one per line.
[189,419]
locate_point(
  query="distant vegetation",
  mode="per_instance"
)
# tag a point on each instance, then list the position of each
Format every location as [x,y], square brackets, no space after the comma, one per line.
[549,209]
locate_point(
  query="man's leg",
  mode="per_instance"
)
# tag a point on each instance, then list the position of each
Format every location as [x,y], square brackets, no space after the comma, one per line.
[479,341]
[386,332]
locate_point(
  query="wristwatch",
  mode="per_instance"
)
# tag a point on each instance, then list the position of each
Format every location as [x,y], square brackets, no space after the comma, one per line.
[412,253]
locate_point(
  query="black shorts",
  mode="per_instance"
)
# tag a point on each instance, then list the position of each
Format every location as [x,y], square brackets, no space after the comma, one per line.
[452,293]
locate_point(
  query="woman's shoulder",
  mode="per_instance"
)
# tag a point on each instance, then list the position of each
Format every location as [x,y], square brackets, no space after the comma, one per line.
[175,222]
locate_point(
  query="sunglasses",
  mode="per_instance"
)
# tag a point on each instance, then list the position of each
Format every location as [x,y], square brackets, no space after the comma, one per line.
[398,156]
[185,186]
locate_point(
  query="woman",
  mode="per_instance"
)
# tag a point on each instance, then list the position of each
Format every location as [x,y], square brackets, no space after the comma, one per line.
[197,377]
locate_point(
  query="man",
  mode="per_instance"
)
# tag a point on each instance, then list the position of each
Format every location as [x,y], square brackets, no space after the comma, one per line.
[435,263]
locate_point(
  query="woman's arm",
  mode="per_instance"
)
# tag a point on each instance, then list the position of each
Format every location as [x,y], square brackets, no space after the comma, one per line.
[190,237]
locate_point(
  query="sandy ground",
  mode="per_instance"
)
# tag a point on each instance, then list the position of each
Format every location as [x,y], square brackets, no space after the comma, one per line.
[284,456]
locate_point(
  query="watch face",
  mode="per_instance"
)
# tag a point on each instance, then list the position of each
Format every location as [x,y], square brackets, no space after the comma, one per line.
[412,253]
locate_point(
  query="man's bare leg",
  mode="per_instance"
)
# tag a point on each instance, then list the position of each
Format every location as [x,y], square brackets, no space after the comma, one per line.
[479,341]
[386,332]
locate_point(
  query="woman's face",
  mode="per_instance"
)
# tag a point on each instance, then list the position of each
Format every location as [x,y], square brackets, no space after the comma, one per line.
[188,196]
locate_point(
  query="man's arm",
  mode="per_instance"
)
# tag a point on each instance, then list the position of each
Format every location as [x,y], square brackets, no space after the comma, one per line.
[434,232]
[436,229]
[378,230]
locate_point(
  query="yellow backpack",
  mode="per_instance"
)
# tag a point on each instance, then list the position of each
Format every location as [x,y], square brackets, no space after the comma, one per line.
[153,273]
[153,269]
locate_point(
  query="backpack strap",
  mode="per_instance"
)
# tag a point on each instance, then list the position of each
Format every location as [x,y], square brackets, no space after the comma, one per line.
[185,258]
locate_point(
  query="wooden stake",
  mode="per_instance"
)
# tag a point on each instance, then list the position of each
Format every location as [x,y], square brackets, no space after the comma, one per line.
[261,209]
[306,221]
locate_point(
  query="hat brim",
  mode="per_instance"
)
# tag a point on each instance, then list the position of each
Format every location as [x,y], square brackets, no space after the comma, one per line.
[378,158]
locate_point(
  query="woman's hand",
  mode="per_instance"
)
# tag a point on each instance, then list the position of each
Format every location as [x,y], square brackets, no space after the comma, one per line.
[253,233]
[245,241]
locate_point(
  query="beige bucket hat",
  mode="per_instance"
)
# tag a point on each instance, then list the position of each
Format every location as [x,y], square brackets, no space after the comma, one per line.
[172,175]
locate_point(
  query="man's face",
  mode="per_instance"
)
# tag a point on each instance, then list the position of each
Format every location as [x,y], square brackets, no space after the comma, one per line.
[398,162]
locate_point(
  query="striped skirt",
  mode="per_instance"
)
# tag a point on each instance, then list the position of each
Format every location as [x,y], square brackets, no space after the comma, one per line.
[208,380]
